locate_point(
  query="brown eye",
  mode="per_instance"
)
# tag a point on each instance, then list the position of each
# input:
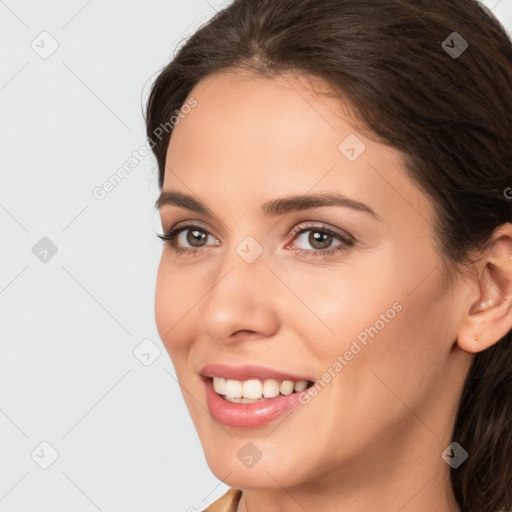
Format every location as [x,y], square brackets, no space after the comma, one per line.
[313,240]
[188,238]
[320,239]
[195,237]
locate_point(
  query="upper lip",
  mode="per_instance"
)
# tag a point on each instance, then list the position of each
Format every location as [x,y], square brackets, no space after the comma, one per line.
[246,372]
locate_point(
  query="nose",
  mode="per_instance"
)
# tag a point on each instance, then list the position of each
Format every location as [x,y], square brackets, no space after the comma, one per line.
[242,301]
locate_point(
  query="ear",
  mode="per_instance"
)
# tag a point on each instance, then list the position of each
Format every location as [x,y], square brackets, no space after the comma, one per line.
[489,315]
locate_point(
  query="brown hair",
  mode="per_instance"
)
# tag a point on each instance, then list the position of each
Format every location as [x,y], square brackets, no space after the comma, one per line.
[449,114]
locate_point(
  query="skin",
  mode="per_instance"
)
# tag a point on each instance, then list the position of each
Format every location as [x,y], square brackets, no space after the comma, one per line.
[376,431]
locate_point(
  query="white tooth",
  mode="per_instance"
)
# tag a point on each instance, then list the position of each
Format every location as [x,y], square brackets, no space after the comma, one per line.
[233,388]
[270,388]
[219,384]
[286,387]
[300,385]
[252,389]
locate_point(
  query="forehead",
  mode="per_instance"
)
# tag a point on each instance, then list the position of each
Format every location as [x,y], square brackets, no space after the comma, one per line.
[240,114]
[261,137]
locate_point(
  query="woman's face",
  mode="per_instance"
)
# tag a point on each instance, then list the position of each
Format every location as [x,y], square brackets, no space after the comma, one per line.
[263,289]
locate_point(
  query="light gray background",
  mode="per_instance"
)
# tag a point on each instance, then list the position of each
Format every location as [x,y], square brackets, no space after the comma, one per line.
[69,326]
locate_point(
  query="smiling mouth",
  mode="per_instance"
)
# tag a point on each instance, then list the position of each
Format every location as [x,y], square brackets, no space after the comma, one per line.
[256,390]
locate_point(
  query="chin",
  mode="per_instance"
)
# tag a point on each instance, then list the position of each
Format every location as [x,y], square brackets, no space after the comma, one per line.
[226,462]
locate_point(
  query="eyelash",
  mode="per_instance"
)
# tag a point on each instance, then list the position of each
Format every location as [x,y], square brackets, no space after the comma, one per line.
[170,236]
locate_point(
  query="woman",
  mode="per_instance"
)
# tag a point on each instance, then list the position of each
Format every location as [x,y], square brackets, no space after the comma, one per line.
[335,285]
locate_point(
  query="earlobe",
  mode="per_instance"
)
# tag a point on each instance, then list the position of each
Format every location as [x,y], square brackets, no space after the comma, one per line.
[486,327]
[489,318]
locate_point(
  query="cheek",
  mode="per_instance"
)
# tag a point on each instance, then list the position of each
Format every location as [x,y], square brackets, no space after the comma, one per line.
[351,304]
[388,322]
[172,303]
[403,355]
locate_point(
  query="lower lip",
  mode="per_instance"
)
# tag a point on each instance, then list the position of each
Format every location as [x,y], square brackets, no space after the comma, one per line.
[232,414]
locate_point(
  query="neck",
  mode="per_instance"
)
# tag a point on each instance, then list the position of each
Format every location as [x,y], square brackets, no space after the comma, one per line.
[432,494]
[415,480]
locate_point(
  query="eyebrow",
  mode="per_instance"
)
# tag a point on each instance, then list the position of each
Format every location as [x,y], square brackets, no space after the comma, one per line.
[271,208]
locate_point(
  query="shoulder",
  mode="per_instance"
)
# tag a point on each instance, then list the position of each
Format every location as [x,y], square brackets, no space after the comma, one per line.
[226,503]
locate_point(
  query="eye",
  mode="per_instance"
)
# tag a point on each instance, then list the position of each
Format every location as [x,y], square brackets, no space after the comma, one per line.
[188,239]
[323,240]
